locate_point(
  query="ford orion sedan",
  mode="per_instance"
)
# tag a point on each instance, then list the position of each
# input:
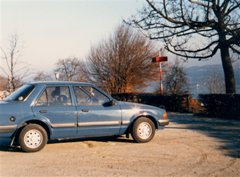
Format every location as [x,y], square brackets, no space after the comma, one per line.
[42,111]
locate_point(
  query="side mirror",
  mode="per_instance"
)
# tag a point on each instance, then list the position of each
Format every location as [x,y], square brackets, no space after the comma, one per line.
[109,103]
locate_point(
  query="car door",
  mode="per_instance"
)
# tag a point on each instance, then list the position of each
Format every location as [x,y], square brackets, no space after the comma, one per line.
[56,106]
[96,117]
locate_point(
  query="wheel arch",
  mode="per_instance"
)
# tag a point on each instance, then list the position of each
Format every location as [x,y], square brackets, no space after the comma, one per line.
[140,116]
[143,129]
[42,124]
[153,120]
[149,117]
[38,122]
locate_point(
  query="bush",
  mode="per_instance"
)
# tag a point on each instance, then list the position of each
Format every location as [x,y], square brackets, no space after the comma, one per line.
[222,105]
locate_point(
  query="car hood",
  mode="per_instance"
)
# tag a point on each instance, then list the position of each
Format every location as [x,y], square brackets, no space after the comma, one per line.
[138,105]
[137,109]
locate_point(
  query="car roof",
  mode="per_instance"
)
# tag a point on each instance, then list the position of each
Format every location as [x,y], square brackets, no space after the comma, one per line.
[60,83]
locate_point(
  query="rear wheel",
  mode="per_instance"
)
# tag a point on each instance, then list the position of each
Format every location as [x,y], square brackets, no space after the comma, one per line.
[143,130]
[32,138]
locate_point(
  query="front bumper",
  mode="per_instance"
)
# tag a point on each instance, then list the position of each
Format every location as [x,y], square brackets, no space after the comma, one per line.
[163,122]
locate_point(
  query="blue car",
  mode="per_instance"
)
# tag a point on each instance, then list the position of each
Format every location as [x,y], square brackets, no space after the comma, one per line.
[42,111]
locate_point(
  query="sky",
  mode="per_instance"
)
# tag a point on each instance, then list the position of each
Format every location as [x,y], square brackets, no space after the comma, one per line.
[50,30]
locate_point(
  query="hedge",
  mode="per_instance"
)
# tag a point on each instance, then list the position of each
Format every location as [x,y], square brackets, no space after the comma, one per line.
[175,103]
[222,105]
[217,105]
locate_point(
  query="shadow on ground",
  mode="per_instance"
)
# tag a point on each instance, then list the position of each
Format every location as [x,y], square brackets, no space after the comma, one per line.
[117,139]
[226,131]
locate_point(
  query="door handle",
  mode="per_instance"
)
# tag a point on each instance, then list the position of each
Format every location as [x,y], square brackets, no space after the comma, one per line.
[43,111]
[84,110]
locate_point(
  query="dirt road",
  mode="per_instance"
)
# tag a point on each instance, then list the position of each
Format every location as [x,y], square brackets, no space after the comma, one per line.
[189,146]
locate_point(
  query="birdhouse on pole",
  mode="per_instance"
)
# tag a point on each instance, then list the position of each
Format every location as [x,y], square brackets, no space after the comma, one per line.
[159,59]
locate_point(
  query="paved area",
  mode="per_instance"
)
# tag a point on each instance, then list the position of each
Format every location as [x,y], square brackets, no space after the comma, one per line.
[189,146]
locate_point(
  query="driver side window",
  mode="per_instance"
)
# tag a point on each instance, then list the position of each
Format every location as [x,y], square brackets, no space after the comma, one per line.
[82,97]
[89,96]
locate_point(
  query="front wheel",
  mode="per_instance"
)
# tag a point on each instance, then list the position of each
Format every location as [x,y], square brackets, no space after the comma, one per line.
[32,138]
[143,130]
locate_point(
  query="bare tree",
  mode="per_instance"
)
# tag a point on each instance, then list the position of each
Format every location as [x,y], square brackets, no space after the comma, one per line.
[14,70]
[42,76]
[215,83]
[195,29]
[175,80]
[3,83]
[122,63]
[70,69]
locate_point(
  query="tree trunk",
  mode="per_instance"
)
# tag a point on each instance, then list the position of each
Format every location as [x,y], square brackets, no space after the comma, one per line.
[228,70]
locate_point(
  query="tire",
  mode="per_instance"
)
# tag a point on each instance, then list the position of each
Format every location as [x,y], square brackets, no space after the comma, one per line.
[32,138]
[143,130]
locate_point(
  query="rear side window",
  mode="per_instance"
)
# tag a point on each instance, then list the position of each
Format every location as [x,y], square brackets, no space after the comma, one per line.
[21,93]
[55,96]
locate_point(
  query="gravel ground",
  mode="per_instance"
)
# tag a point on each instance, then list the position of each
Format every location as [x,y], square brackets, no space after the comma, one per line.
[189,146]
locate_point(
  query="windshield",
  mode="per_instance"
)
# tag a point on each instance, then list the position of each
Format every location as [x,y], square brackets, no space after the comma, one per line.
[20,94]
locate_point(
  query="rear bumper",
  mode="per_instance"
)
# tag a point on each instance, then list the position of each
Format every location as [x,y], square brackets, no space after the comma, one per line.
[5,141]
[6,134]
[163,122]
